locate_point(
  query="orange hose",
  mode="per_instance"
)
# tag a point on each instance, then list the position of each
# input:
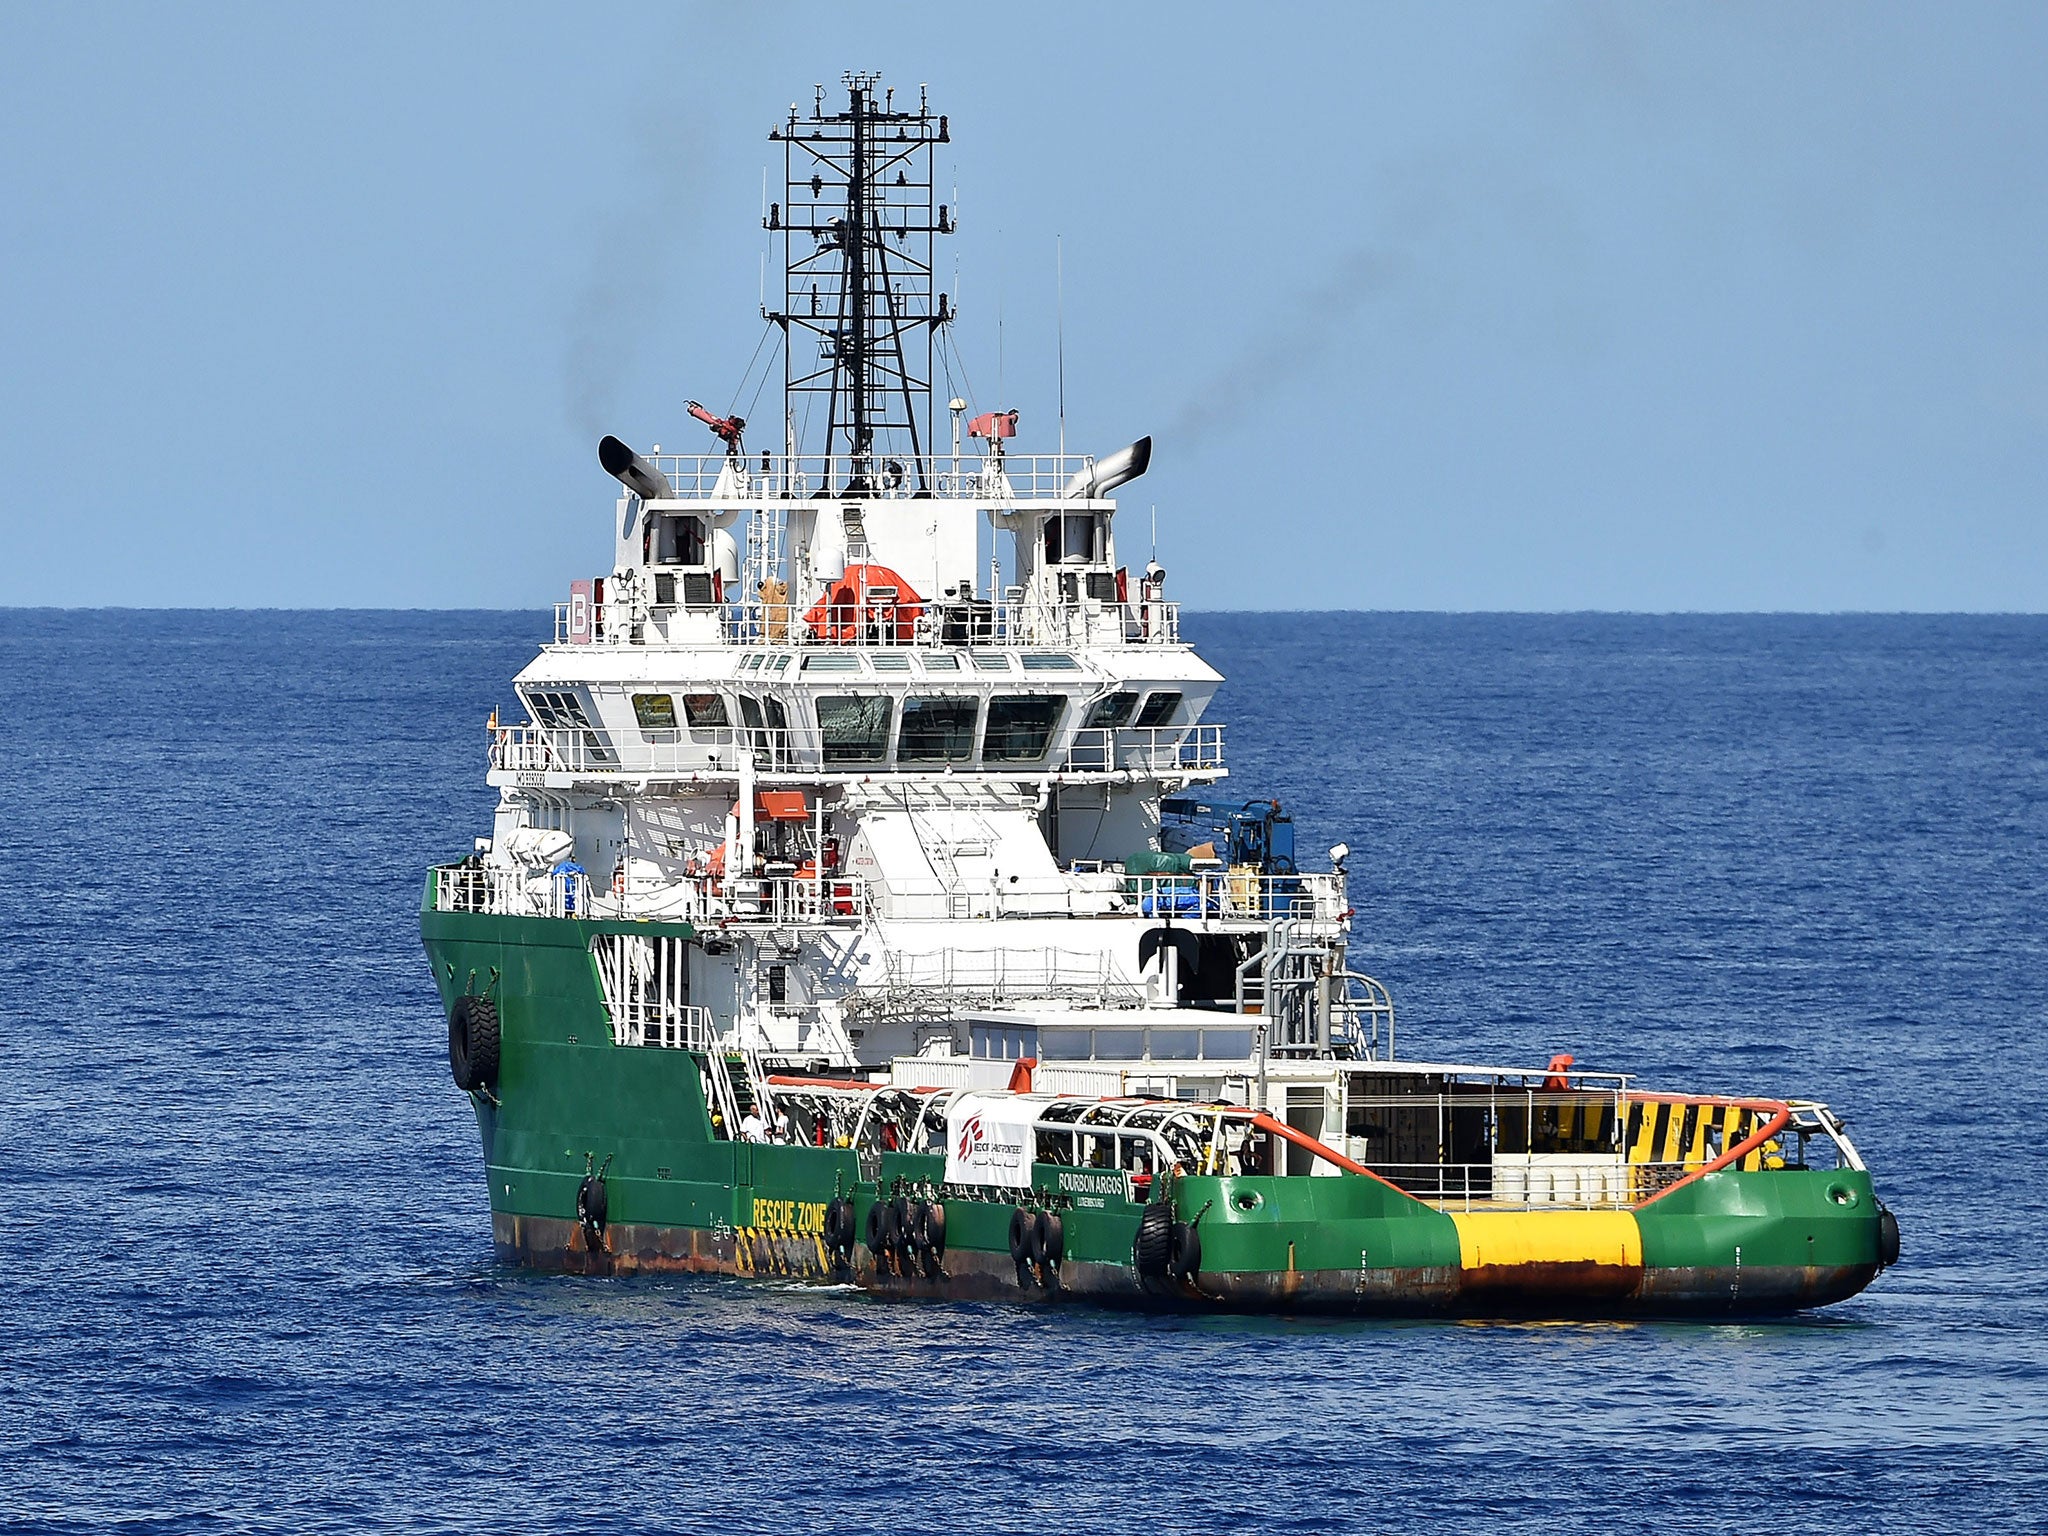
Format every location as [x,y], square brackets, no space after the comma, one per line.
[1735,1153]
[1266,1122]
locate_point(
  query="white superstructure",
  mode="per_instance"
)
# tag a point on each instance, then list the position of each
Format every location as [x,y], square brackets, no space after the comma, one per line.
[891,731]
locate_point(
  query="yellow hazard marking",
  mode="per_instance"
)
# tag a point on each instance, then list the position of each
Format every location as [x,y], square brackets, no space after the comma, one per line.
[1548,1237]
[1690,1135]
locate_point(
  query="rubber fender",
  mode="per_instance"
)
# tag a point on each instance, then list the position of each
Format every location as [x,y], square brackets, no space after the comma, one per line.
[1187,1250]
[1887,1237]
[592,1204]
[886,1227]
[838,1227]
[902,1224]
[935,1232]
[1152,1249]
[931,1264]
[1049,1243]
[919,1230]
[875,1227]
[1022,1229]
[473,1043]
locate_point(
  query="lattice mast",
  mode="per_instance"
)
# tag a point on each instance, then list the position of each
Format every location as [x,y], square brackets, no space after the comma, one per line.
[859,307]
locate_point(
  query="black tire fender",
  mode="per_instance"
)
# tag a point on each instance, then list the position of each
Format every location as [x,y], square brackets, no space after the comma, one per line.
[875,1228]
[473,1039]
[1887,1236]
[1049,1243]
[593,1206]
[1187,1251]
[935,1232]
[1022,1230]
[1152,1249]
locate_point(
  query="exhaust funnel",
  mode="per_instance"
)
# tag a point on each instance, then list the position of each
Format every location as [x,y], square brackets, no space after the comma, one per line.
[1110,471]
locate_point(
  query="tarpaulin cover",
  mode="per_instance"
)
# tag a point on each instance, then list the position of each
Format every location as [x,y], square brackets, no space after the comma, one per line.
[845,612]
[781,805]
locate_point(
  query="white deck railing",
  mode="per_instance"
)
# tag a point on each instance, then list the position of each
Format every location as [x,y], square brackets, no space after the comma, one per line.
[530,748]
[1158,749]
[759,479]
[1228,893]
[510,892]
[741,619]
[778,900]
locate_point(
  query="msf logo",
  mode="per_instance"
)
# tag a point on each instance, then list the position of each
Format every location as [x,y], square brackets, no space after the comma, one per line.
[970,1138]
[975,1143]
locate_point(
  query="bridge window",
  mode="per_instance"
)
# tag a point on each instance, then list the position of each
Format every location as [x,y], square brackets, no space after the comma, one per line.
[936,731]
[1050,662]
[654,711]
[1158,709]
[1020,727]
[763,715]
[558,711]
[706,711]
[854,728]
[1112,713]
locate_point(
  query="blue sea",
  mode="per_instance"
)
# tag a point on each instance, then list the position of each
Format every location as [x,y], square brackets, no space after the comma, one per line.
[248,1282]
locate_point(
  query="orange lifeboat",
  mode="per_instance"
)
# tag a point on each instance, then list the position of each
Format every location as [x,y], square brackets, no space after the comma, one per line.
[871,603]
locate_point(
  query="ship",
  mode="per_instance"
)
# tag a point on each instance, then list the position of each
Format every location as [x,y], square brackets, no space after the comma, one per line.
[864,903]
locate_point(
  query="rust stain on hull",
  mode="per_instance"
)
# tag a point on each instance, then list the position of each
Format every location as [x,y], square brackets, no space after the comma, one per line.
[1576,1280]
[1504,1291]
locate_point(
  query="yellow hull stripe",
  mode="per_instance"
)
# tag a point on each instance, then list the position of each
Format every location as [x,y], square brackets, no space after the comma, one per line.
[1488,1238]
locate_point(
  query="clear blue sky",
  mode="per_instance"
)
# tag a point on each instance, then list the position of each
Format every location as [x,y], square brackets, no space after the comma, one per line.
[1728,306]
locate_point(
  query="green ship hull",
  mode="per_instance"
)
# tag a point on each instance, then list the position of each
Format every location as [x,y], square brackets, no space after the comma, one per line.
[570,1112]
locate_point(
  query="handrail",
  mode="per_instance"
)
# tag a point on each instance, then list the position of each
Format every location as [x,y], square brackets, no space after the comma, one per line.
[767,478]
[746,619]
[778,900]
[528,747]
